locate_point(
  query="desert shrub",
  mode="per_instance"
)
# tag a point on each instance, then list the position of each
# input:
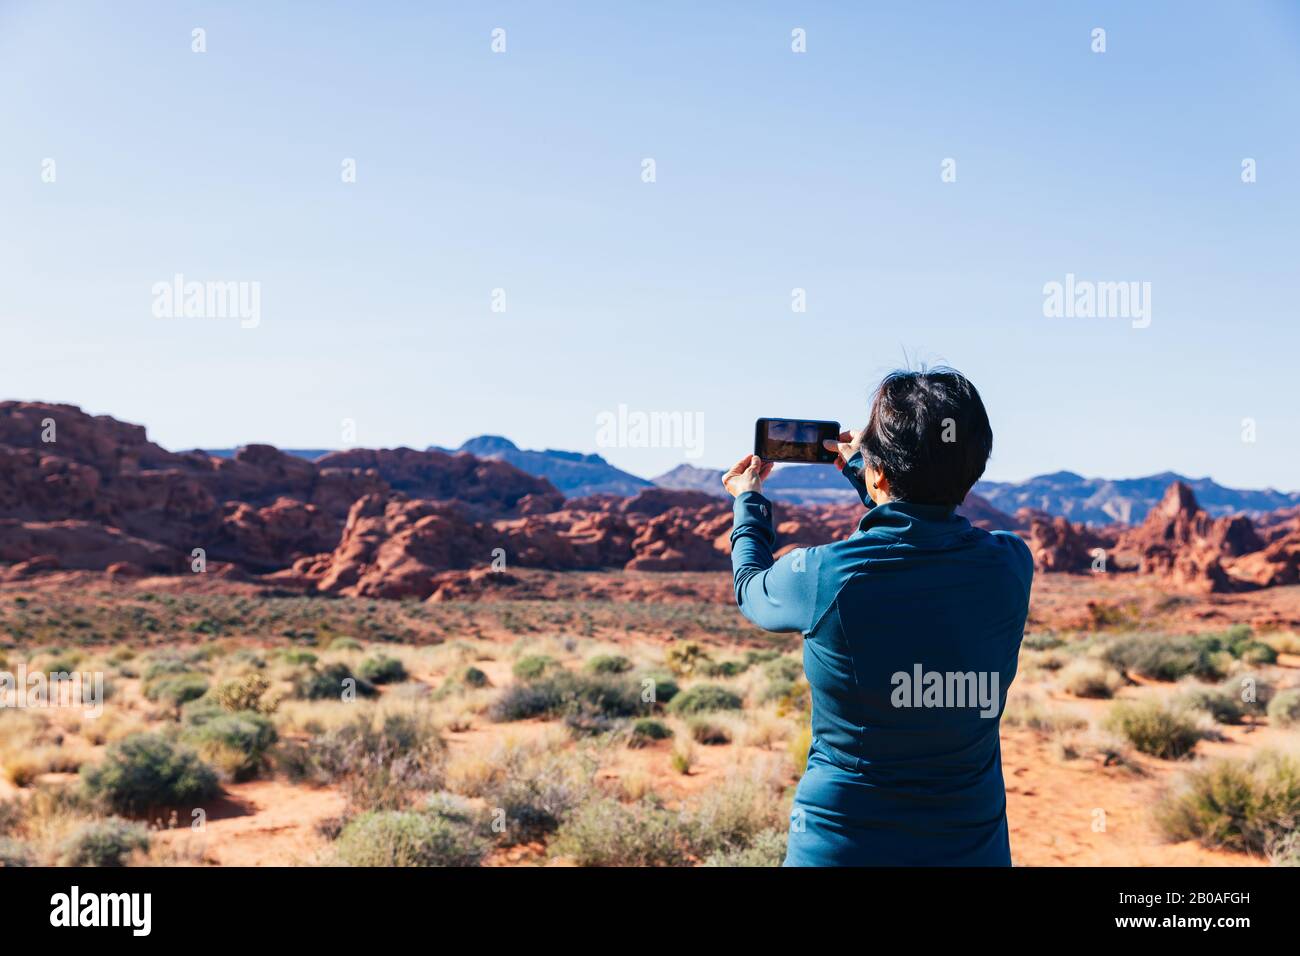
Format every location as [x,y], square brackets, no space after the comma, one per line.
[297,657]
[14,853]
[1042,641]
[329,682]
[646,730]
[1284,849]
[767,849]
[789,695]
[1154,727]
[1087,678]
[1166,657]
[1240,641]
[562,693]
[107,842]
[237,744]
[665,688]
[783,669]
[382,669]
[345,644]
[1243,805]
[1031,713]
[1284,642]
[164,667]
[1284,708]
[722,668]
[473,677]
[176,689]
[537,792]
[147,771]
[408,838]
[604,832]
[708,732]
[729,817]
[533,666]
[247,693]
[799,746]
[683,756]
[1221,704]
[1252,688]
[608,664]
[380,765]
[703,698]
[686,659]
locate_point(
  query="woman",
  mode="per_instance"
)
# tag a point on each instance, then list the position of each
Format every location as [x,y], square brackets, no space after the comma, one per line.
[911,630]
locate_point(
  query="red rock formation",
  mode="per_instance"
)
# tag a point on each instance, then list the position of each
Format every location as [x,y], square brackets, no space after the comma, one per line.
[1182,543]
[488,487]
[81,545]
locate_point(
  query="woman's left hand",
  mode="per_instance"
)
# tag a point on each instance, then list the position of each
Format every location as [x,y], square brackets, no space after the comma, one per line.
[746,475]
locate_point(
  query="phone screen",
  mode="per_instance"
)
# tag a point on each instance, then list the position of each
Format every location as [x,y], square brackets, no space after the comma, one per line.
[794,439]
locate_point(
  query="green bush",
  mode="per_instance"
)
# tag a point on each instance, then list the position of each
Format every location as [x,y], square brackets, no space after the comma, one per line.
[176,689]
[536,792]
[14,853]
[297,657]
[146,771]
[1166,657]
[646,730]
[707,732]
[1244,805]
[164,667]
[563,694]
[107,842]
[533,666]
[243,693]
[473,677]
[767,849]
[722,668]
[382,669]
[1091,679]
[1156,728]
[408,838]
[1042,641]
[607,833]
[687,659]
[328,683]
[703,698]
[345,644]
[236,743]
[783,669]
[608,664]
[379,765]
[665,688]
[1284,708]
[1218,702]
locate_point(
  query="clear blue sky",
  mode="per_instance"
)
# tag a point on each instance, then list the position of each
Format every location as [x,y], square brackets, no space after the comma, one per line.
[775,170]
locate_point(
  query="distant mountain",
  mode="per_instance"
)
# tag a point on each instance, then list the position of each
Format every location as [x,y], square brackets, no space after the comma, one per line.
[691,478]
[574,473]
[796,484]
[1103,500]
[311,454]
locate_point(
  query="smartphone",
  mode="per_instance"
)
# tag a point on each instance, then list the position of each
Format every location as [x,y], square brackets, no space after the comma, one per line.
[794,439]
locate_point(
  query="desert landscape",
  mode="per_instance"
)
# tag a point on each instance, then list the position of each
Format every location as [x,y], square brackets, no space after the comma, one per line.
[432,658]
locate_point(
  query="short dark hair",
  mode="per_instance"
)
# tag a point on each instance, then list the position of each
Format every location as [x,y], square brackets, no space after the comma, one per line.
[929,434]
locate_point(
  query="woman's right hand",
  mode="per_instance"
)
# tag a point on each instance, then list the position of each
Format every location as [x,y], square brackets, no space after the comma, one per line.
[848,446]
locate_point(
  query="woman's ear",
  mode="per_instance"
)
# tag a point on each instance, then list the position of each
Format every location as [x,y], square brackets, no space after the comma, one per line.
[879,484]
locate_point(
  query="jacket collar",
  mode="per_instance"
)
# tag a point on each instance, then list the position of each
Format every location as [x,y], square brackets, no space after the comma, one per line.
[905,520]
